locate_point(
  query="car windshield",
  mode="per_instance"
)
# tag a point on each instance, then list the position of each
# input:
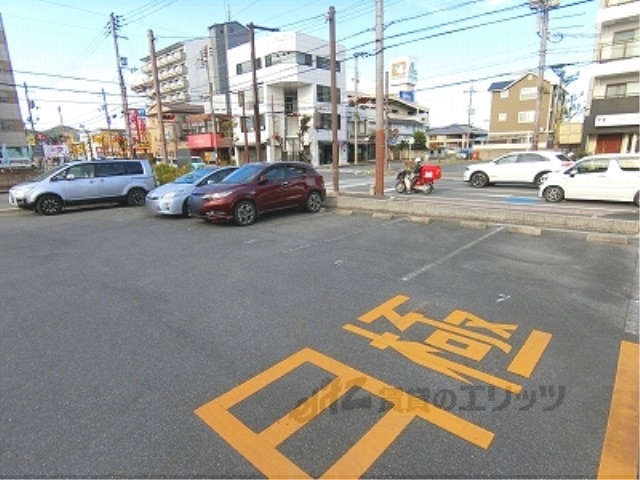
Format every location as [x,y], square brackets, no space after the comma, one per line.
[192,177]
[243,174]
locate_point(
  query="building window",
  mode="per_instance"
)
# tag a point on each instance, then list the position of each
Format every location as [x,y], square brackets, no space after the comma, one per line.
[504,94]
[323,121]
[624,44]
[526,117]
[324,63]
[323,93]
[615,90]
[528,93]
[502,117]
[250,126]
[298,58]
[245,67]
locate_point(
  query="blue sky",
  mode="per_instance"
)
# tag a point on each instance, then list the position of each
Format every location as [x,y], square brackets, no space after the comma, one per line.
[64,55]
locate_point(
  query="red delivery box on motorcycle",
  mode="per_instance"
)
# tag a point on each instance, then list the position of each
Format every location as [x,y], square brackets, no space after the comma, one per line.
[431,172]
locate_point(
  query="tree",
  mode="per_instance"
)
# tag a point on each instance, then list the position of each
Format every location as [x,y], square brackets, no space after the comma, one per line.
[419,140]
[570,105]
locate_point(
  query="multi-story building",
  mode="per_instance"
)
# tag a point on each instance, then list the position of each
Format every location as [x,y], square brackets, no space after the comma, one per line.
[513,107]
[294,98]
[612,118]
[194,78]
[13,139]
[181,72]
[403,119]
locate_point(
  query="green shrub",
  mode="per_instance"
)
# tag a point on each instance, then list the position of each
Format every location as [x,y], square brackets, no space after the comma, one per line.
[166,173]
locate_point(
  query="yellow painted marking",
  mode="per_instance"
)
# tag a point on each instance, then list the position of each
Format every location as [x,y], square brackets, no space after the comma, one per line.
[529,355]
[429,358]
[372,444]
[291,422]
[261,448]
[619,456]
[263,456]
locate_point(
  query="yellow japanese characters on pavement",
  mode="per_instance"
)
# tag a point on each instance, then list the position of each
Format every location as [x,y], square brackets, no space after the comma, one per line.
[261,448]
[461,334]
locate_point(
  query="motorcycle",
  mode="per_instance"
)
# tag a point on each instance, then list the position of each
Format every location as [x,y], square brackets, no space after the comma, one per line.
[423,182]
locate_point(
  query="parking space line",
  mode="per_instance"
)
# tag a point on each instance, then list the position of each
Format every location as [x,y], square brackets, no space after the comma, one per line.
[619,456]
[414,274]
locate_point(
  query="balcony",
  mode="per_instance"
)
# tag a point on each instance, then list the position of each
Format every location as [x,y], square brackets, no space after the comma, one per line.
[200,141]
[618,51]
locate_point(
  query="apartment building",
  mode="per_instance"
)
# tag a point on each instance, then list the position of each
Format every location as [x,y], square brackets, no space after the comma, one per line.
[403,118]
[612,118]
[294,99]
[13,139]
[181,72]
[513,106]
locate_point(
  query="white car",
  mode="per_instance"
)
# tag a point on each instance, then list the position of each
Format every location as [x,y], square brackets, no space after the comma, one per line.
[171,198]
[613,177]
[517,167]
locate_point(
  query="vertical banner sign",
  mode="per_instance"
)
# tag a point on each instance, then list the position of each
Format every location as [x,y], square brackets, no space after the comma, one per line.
[133,123]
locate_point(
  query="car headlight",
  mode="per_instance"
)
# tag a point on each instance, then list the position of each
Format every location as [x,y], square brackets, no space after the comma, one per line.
[217,195]
[170,195]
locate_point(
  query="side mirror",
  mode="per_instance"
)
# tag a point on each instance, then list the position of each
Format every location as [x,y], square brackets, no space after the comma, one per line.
[70,176]
[573,172]
[262,179]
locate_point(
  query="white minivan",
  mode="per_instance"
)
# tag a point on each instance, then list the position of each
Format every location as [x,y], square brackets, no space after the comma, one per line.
[125,181]
[613,177]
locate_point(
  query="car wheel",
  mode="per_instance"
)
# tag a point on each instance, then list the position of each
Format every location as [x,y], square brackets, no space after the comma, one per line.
[245,213]
[49,205]
[479,180]
[314,202]
[135,197]
[553,194]
[538,180]
[401,187]
[636,199]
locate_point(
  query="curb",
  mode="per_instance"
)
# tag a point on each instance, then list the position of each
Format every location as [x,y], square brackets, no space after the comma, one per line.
[475,217]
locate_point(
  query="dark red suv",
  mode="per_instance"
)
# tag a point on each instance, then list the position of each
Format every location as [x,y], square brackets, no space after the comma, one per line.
[257,188]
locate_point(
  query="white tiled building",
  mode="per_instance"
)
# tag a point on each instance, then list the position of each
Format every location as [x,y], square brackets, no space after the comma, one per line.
[294,78]
[613,119]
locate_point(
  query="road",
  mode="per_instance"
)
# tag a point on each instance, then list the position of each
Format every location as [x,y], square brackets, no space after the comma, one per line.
[451,189]
[313,345]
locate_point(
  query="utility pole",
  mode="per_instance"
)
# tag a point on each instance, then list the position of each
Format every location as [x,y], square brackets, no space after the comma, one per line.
[542,7]
[107,118]
[380,133]
[273,130]
[115,26]
[205,53]
[30,106]
[357,115]
[158,95]
[256,101]
[60,115]
[243,126]
[334,101]
[470,112]
[386,119]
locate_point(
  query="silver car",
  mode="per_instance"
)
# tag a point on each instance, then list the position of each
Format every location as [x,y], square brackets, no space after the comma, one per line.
[171,198]
[124,181]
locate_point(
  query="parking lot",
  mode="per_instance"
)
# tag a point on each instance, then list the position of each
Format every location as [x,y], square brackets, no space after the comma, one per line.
[308,345]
